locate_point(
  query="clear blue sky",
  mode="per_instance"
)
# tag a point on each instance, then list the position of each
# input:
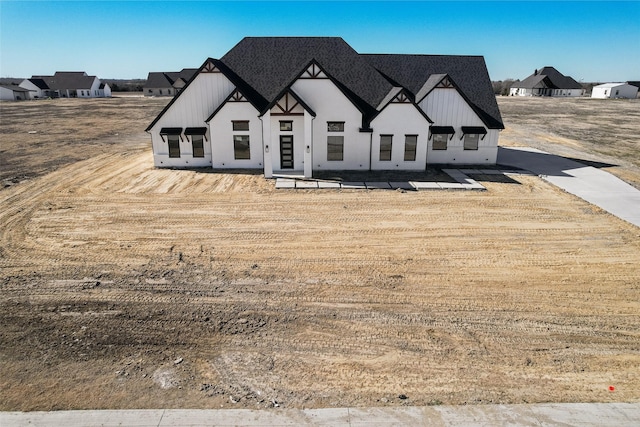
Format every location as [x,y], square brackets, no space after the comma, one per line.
[590,41]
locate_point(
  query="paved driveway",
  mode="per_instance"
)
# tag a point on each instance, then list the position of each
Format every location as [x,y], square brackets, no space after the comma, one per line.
[596,186]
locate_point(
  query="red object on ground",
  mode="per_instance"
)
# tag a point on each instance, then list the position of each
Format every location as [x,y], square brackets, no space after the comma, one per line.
[612,388]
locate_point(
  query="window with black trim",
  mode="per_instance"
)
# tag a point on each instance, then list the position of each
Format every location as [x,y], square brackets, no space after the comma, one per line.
[440,141]
[174,145]
[410,145]
[385,147]
[197,142]
[335,126]
[286,125]
[240,125]
[471,141]
[241,148]
[335,148]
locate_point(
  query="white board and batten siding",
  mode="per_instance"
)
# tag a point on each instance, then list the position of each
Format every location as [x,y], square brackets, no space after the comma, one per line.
[205,93]
[222,142]
[446,107]
[399,120]
[331,105]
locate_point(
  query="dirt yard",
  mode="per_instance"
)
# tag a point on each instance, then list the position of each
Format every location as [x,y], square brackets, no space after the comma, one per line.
[124,286]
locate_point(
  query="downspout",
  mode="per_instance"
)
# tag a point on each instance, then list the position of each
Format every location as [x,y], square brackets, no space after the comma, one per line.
[262,135]
[370,150]
[426,156]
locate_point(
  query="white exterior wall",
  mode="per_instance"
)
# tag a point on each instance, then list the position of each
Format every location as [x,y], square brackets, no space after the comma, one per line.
[331,105]
[196,104]
[35,91]
[7,94]
[622,90]
[221,141]
[565,93]
[447,108]
[399,120]
[106,92]
[152,91]
[520,91]
[601,92]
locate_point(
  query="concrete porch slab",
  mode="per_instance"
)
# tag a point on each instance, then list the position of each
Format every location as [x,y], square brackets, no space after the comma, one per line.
[378,185]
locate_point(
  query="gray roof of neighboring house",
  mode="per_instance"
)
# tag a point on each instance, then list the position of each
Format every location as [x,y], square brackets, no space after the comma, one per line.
[166,79]
[468,72]
[63,80]
[157,80]
[552,78]
[14,87]
[40,84]
[264,67]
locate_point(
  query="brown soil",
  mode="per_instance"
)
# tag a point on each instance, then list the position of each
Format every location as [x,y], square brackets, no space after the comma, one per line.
[125,286]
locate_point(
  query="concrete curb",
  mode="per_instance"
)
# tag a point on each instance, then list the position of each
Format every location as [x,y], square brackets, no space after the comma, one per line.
[566,414]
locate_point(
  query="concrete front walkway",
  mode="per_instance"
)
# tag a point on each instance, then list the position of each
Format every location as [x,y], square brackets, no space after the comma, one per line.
[552,414]
[593,185]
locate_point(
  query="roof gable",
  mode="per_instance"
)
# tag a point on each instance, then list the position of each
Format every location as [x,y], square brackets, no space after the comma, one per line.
[270,64]
[215,66]
[414,72]
[552,78]
[400,95]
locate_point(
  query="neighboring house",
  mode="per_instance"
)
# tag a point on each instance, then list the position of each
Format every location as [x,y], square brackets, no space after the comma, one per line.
[37,87]
[67,84]
[13,92]
[614,90]
[167,83]
[547,82]
[308,104]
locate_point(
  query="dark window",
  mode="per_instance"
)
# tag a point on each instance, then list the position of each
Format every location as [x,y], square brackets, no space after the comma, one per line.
[440,141]
[335,126]
[410,144]
[241,149]
[385,147]
[198,145]
[174,145]
[471,141]
[240,124]
[335,148]
[286,125]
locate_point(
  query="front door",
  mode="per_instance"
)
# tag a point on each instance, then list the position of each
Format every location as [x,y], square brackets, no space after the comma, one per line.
[286,152]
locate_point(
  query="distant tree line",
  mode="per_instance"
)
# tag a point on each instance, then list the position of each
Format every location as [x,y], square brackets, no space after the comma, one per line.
[501,87]
[123,85]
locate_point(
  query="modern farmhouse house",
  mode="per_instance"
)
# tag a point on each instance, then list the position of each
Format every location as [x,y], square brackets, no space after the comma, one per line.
[308,104]
[167,83]
[547,82]
[66,84]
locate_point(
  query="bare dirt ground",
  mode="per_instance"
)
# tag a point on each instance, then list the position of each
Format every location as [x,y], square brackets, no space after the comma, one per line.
[124,286]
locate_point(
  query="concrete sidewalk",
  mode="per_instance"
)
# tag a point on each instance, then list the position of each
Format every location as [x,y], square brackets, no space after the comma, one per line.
[593,185]
[552,414]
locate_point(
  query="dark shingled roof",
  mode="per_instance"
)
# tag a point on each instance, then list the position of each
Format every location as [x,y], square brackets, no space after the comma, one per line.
[40,84]
[264,67]
[469,73]
[553,78]
[63,80]
[159,79]
[269,64]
